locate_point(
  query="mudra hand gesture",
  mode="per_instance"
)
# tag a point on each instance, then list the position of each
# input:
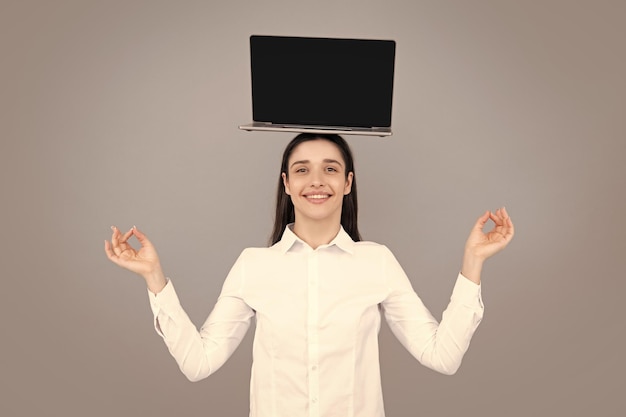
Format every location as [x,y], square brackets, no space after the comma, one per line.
[144,261]
[480,245]
[478,248]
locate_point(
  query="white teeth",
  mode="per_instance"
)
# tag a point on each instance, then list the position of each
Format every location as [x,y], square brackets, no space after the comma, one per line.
[317,196]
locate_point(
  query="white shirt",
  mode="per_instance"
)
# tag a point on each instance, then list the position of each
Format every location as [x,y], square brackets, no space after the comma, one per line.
[318,315]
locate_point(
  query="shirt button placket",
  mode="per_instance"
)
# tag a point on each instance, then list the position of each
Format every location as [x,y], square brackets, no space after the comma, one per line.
[313,334]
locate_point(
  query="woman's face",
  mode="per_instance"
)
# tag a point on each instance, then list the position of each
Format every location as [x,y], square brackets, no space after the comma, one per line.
[316,181]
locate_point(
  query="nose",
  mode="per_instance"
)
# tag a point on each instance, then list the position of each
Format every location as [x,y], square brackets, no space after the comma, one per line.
[316,179]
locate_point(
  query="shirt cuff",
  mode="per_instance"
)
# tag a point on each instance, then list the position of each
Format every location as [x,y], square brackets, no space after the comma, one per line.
[166,299]
[467,292]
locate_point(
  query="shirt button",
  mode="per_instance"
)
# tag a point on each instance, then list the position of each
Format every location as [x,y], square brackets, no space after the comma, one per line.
[314,367]
[314,400]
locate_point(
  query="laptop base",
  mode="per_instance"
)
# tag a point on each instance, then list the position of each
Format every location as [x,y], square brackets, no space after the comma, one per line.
[363,131]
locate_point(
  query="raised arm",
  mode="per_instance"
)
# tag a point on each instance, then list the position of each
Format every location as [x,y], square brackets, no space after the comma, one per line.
[198,353]
[442,345]
[201,353]
[437,345]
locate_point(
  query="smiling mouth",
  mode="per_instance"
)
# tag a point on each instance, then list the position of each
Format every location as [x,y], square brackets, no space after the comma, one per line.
[317,196]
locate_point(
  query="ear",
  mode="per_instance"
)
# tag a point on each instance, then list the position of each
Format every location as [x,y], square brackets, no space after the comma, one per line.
[348,187]
[286,183]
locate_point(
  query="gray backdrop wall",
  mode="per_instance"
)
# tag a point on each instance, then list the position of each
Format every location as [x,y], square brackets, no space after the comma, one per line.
[126,112]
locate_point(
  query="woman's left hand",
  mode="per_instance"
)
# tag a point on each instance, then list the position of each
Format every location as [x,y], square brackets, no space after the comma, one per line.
[481,245]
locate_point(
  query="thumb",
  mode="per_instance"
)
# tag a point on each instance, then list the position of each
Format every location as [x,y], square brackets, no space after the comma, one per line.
[482,220]
[143,240]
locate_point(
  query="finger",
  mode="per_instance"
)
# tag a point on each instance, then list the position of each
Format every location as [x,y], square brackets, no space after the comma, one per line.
[482,220]
[113,257]
[497,217]
[138,234]
[506,215]
[109,251]
[115,241]
[506,219]
[506,229]
[510,230]
[143,240]
[126,236]
[107,248]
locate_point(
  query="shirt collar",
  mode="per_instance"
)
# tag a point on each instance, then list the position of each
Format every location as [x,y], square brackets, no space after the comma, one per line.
[343,241]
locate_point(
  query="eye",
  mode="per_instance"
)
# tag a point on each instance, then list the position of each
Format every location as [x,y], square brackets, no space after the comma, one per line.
[331,169]
[300,170]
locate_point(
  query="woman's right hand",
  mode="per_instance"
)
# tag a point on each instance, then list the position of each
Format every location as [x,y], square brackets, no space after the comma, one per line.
[144,261]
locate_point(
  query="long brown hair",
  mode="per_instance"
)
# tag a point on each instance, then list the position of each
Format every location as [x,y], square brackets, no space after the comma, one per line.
[284,207]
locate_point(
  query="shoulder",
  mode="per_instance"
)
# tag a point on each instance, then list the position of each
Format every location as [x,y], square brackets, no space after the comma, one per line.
[252,259]
[373,249]
[257,254]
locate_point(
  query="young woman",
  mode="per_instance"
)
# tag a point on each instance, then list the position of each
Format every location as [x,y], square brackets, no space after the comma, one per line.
[317,295]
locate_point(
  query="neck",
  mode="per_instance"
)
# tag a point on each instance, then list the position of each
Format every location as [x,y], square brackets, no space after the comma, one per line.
[316,233]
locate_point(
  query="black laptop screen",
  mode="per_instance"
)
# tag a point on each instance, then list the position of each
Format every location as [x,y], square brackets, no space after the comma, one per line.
[322,81]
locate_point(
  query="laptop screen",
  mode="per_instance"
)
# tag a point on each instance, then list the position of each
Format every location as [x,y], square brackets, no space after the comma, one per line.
[322,81]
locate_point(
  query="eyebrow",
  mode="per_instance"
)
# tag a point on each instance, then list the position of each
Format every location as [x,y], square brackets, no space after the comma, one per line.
[326,161]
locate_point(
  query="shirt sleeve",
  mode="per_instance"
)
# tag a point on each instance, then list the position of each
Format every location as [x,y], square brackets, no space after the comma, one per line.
[201,353]
[439,346]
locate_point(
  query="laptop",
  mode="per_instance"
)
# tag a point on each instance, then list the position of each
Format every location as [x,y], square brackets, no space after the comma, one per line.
[321,85]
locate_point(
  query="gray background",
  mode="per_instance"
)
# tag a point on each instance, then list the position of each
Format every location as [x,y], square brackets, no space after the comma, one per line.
[126,112]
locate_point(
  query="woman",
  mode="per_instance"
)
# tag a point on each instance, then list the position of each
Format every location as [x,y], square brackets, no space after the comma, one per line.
[317,295]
